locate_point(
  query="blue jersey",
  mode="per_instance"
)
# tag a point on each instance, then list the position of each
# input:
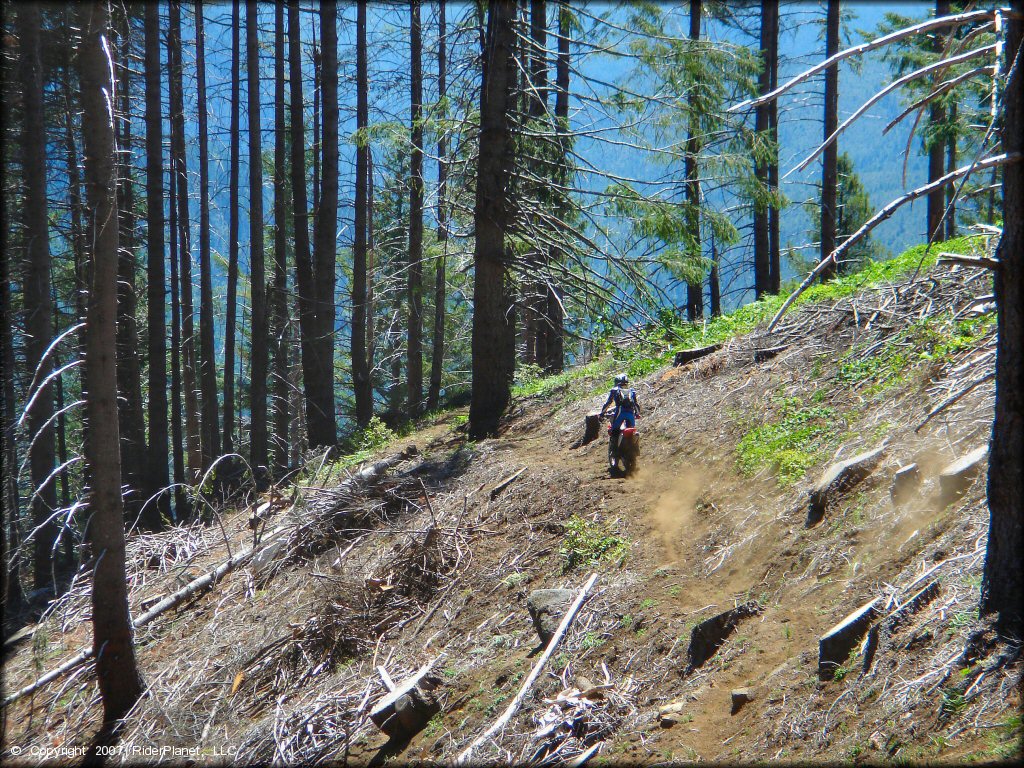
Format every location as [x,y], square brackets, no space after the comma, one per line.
[624,399]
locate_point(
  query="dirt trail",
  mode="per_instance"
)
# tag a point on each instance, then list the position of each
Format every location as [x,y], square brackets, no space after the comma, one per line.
[658,495]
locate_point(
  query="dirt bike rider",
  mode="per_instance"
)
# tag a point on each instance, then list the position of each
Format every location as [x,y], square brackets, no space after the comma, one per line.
[627,408]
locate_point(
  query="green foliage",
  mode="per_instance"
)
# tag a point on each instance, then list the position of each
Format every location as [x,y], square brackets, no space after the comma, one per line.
[931,339]
[589,542]
[790,445]
[515,579]
[953,702]
[374,435]
[749,316]
[641,366]
[544,386]
[695,80]
[361,445]
[854,210]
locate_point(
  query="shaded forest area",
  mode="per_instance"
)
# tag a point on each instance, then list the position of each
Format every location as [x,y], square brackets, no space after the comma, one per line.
[138,393]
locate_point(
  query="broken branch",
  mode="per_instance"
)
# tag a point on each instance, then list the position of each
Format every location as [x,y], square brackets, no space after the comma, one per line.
[857,50]
[505,483]
[941,64]
[882,215]
[195,586]
[534,673]
[972,261]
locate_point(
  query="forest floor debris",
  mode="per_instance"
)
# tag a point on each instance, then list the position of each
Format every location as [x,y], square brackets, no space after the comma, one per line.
[282,663]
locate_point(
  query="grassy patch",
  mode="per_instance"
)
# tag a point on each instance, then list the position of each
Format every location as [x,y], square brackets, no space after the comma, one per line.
[657,345]
[748,317]
[588,542]
[790,445]
[515,579]
[530,382]
[934,339]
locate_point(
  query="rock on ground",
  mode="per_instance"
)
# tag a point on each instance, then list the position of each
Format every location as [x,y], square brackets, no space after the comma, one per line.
[547,607]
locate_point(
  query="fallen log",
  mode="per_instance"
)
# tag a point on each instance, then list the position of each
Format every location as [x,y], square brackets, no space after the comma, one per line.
[407,707]
[209,579]
[498,724]
[505,483]
[766,354]
[685,356]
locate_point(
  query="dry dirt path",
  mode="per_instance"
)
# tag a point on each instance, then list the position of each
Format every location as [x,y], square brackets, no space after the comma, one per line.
[670,510]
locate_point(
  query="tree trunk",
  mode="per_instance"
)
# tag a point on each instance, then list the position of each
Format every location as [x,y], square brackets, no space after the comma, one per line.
[74,188]
[440,287]
[951,165]
[694,290]
[258,456]
[555,311]
[279,302]
[937,147]
[188,350]
[233,225]
[714,287]
[414,366]
[304,278]
[371,339]
[156,288]
[762,126]
[537,299]
[493,344]
[1003,581]
[830,159]
[36,291]
[116,670]
[361,385]
[10,569]
[62,440]
[207,342]
[317,90]
[324,431]
[774,255]
[182,507]
[129,375]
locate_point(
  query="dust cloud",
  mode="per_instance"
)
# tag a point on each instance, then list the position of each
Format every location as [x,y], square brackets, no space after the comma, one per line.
[672,501]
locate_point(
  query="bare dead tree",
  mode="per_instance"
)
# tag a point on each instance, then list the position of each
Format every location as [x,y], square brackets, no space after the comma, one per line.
[116,669]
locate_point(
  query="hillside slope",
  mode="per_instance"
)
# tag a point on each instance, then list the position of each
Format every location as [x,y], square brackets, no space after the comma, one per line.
[434,563]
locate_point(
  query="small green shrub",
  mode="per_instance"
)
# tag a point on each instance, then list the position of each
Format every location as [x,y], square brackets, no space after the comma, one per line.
[590,542]
[591,640]
[641,366]
[515,579]
[374,435]
[791,445]
[953,702]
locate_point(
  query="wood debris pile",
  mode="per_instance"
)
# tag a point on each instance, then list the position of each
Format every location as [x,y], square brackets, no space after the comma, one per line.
[575,723]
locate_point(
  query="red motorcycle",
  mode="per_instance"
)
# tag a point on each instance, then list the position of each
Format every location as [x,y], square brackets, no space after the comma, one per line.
[624,449]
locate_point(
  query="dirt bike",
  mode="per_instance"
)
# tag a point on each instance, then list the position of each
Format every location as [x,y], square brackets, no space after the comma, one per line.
[624,448]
